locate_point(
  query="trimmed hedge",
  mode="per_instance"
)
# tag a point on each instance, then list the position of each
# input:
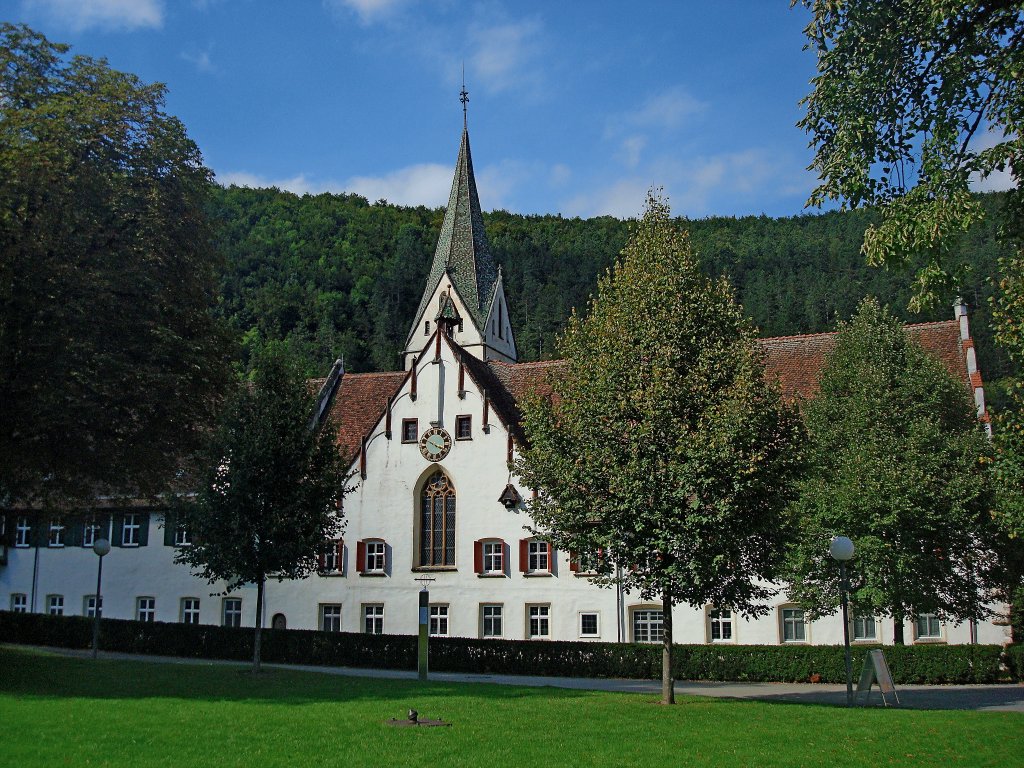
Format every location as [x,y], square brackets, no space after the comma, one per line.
[747,663]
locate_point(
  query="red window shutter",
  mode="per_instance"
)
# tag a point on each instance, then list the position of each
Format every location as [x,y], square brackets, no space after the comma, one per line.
[323,562]
[361,556]
[504,556]
[478,556]
[524,555]
[574,562]
[341,556]
[551,556]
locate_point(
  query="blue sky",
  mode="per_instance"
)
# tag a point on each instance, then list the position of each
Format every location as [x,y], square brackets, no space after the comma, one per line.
[575,107]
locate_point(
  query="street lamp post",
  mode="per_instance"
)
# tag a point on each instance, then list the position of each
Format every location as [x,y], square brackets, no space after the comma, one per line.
[841,549]
[101,547]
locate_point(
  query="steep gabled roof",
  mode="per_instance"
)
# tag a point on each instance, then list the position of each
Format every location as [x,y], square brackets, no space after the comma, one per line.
[462,249]
[794,361]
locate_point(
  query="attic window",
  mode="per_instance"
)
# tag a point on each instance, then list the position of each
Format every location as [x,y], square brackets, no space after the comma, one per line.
[426,327]
[501,320]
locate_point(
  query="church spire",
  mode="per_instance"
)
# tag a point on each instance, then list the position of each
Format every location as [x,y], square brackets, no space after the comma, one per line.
[463,252]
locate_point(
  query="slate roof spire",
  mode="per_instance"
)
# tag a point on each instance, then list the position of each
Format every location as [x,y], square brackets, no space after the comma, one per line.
[462,249]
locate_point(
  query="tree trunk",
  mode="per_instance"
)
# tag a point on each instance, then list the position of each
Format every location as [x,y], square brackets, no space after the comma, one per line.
[259,625]
[668,688]
[897,630]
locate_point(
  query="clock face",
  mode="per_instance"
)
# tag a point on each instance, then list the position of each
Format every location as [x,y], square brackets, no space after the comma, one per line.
[435,444]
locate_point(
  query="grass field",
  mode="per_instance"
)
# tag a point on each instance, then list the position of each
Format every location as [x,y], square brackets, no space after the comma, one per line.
[57,711]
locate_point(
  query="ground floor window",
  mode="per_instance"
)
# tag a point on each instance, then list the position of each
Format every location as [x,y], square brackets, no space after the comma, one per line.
[438,620]
[590,626]
[648,625]
[490,621]
[55,605]
[90,606]
[539,621]
[330,617]
[720,625]
[190,610]
[145,608]
[794,627]
[864,628]
[928,627]
[19,603]
[373,619]
[232,612]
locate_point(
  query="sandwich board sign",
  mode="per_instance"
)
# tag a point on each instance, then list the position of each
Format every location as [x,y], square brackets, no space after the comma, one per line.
[876,671]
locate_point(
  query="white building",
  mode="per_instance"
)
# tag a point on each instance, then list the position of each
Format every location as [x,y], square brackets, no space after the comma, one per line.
[431,446]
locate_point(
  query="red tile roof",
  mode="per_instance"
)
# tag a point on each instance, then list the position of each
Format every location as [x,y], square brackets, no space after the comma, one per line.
[794,361]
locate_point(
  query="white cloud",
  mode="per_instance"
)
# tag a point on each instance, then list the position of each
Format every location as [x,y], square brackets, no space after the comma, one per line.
[368,11]
[560,175]
[632,146]
[693,186]
[201,60]
[506,56]
[106,14]
[665,111]
[997,181]
[300,185]
[421,184]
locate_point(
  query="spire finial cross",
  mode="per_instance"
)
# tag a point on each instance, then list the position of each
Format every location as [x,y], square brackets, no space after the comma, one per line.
[464,95]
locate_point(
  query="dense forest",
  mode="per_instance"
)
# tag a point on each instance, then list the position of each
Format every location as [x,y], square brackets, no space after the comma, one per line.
[338,276]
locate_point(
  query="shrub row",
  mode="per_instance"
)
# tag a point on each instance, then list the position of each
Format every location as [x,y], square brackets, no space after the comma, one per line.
[748,663]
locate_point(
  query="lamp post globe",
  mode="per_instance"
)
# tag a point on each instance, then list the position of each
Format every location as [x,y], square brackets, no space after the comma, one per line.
[101,547]
[841,548]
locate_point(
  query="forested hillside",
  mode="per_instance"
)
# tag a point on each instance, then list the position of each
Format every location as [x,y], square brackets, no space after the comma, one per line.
[336,275]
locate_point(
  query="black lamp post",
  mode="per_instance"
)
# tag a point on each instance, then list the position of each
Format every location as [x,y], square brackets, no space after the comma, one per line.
[841,549]
[101,547]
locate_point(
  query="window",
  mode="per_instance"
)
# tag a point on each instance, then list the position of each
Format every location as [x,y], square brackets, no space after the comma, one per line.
[145,609]
[864,628]
[182,538]
[23,532]
[538,621]
[538,558]
[373,619]
[190,610]
[19,602]
[648,625]
[590,625]
[794,628]
[492,557]
[928,627]
[490,620]
[130,532]
[330,617]
[410,431]
[55,605]
[586,563]
[437,522]
[89,606]
[332,558]
[56,537]
[463,427]
[372,555]
[426,327]
[720,624]
[91,532]
[231,612]
[501,320]
[438,620]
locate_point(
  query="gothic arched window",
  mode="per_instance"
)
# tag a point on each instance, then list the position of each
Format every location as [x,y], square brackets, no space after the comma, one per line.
[437,521]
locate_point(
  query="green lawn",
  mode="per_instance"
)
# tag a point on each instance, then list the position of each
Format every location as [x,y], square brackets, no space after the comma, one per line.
[58,711]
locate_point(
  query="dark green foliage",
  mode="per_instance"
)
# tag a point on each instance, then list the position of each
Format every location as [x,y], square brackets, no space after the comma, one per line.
[933,664]
[897,463]
[111,363]
[338,276]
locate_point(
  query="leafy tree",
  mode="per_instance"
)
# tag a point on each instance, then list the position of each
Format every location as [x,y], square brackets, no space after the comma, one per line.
[110,360]
[272,493]
[663,447]
[897,463]
[913,99]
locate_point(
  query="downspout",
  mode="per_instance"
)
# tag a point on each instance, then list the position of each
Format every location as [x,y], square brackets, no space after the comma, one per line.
[618,602]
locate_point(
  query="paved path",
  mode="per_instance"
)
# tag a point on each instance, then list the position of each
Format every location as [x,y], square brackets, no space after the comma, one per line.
[1005,697]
